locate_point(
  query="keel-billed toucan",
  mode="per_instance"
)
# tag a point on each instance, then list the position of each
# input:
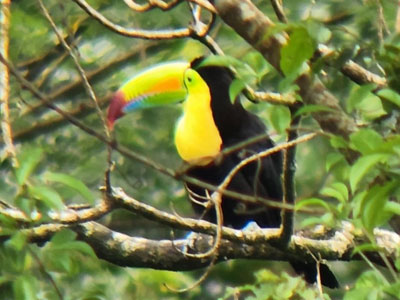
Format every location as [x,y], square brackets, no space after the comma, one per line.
[210,123]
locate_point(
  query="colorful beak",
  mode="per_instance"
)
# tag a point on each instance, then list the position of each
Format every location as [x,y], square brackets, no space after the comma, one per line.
[159,85]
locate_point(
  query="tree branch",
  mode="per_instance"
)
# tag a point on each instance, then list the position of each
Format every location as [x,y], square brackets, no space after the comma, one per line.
[137,252]
[137,33]
[4,83]
[164,5]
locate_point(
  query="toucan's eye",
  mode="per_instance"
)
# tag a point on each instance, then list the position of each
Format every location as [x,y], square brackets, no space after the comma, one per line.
[189,79]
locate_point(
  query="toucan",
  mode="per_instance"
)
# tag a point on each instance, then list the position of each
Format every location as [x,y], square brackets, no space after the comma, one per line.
[210,123]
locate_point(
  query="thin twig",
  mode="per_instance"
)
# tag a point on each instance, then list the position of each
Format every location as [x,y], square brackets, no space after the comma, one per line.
[198,281]
[277,6]
[262,154]
[81,72]
[216,200]
[4,83]
[59,91]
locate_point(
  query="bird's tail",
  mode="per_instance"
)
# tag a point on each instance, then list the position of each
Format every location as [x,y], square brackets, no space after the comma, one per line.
[309,270]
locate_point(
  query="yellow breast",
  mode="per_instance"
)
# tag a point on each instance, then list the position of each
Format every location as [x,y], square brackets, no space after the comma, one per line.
[196,137]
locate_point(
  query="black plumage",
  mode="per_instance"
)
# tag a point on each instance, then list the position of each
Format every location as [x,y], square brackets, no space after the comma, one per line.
[260,178]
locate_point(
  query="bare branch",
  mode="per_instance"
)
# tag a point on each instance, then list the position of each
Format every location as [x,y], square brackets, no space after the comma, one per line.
[353,70]
[288,99]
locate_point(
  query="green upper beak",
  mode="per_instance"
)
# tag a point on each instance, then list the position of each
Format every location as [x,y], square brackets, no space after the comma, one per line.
[161,84]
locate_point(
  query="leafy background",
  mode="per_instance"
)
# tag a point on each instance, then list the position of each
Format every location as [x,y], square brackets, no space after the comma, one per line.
[61,164]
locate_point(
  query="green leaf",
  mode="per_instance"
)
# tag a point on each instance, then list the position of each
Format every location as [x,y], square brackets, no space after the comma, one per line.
[390,95]
[367,247]
[372,212]
[236,88]
[18,241]
[47,195]
[63,236]
[76,246]
[337,190]
[297,51]
[358,94]
[312,202]
[338,142]
[308,109]
[357,202]
[71,182]
[279,117]
[28,161]
[333,159]
[60,252]
[25,288]
[366,140]
[363,165]
[65,240]
[371,108]
[392,207]
[393,289]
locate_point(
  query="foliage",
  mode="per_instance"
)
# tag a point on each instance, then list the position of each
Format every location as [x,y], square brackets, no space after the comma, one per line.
[60,164]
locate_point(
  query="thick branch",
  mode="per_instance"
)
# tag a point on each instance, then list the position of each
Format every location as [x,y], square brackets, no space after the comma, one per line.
[129,251]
